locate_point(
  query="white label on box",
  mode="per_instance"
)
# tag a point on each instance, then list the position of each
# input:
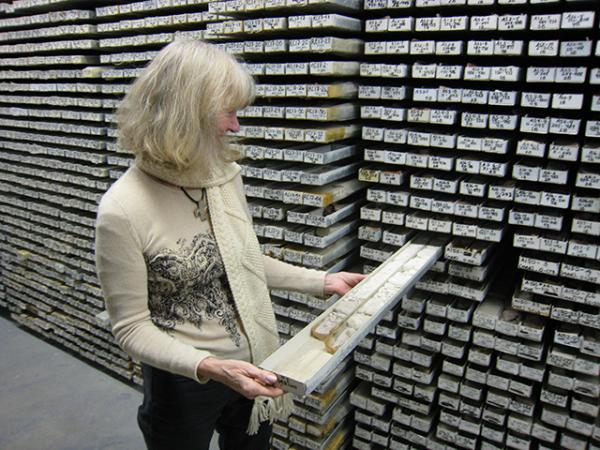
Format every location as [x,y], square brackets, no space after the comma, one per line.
[417,182]
[537,125]
[527,197]
[570,75]
[475,96]
[505,73]
[512,22]
[587,204]
[561,125]
[565,152]
[535,99]
[543,48]
[424,70]
[371,112]
[494,145]
[393,114]
[393,157]
[590,154]
[474,120]
[418,202]
[494,169]
[502,98]
[393,92]
[522,218]
[592,128]
[427,24]
[449,95]
[418,139]
[456,23]
[554,176]
[541,74]
[502,122]
[416,160]
[441,163]
[370,70]
[371,26]
[401,24]
[397,47]
[481,48]
[545,22]
[295,90]
[567,101]
[369,92]
[577,20]
[425,94]
[473,188]
[442,206]
[484,23]
[299,45]
[374,155]
[375,48]
[555,200]
[373,134]
[418,115]
[477,73]
[505,47]
[447,186]
[576,48]
[443,140]
[449,72]
[468,143]
[448,48]
[499,192]
[531,148]
[467,165]
[396,136]
[422,47]
[443,116]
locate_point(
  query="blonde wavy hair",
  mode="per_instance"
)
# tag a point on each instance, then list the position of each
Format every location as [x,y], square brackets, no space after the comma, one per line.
[170,113]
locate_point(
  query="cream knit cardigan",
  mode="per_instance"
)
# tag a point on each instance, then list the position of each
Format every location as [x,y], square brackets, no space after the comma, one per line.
[243,261]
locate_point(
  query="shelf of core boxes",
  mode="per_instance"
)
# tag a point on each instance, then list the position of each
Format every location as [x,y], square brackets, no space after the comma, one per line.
[406,397]
[298,133]
[432,312]
[55,183]
[325,412]
[131,34]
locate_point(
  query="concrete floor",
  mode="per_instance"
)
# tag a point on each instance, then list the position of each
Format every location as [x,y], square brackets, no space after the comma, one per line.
[51,400]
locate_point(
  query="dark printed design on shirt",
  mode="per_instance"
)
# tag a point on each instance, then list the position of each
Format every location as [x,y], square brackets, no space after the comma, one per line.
[189,284]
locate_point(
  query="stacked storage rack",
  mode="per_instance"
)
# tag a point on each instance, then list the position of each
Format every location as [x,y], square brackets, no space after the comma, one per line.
[299,140]
[52,174]
[481,124]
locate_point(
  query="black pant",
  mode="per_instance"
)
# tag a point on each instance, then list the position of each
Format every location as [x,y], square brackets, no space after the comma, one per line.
[179,413]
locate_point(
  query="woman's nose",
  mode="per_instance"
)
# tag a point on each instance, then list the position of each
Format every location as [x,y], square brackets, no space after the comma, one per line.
[234,124]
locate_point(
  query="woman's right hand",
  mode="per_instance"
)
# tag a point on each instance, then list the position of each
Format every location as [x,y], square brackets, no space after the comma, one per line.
[241,376]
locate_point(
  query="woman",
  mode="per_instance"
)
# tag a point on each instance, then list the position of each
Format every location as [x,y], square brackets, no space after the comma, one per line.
[179,264]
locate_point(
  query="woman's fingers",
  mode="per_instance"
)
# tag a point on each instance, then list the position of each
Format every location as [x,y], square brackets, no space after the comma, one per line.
[241,376]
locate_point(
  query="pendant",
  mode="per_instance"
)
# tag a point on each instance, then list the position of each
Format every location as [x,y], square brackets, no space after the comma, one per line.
[201,210]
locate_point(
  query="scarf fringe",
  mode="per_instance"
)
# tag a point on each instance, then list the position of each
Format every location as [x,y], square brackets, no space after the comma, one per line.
[271,409]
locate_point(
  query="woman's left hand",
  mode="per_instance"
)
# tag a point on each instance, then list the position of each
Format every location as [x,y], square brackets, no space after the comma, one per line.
[342,282]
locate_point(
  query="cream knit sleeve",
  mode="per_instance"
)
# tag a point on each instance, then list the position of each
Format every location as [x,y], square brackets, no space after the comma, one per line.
[123,277]
[281,275]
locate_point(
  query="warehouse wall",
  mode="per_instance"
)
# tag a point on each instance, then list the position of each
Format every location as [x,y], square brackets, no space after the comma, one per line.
[475,120]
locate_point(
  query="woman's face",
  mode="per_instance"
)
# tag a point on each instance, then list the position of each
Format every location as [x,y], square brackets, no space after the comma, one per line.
[228,122]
